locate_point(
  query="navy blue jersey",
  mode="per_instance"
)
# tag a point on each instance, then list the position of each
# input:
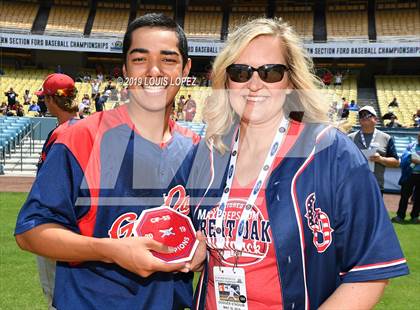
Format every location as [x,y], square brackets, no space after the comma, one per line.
[96,180]
[52,136]
[325,213]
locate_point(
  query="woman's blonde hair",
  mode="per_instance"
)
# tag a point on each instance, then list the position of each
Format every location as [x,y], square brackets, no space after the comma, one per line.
[219,115]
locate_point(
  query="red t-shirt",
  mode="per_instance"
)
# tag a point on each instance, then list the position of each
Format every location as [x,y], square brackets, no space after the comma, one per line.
[258,258]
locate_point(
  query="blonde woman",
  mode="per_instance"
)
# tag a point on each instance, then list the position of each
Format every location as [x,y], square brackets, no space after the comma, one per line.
[292,215]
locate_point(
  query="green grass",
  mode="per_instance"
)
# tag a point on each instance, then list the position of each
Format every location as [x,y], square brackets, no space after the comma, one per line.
[404,292]
[19,282]
[20,288]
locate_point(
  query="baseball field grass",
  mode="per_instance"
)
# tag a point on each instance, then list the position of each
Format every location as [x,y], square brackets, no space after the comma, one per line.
[20,289]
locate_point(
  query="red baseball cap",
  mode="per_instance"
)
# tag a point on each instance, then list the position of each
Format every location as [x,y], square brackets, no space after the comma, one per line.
[55,82]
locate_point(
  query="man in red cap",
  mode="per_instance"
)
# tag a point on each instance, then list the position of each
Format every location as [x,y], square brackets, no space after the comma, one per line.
[60,93]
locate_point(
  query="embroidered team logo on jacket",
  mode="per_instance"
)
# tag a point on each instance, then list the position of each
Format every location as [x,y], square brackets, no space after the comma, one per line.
[319,223]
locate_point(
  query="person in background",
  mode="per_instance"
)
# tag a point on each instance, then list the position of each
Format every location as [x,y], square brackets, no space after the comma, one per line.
[345,112]
[394,103]
[3,108]
[116,72]
[208,76]
[34,107]
[86,77]
[42,105]
[180,108]
[338,78]
[393,122]
[100,77]
[327,77]
[11,97]
[59,92]
[416,119]
[27,97]
[112,91]
[291,212]
[353,106]
[95,85]
[100,103]
[20,111]
[410,183]
[190,109]
[109,86]
[84,106]
[368,137]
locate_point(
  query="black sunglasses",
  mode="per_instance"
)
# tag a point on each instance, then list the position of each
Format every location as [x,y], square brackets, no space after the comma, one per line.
[365,115]
[270,73]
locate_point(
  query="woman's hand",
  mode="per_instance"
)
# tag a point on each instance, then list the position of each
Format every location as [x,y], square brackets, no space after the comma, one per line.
[197,262]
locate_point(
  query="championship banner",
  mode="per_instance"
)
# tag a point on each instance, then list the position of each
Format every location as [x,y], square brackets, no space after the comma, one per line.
[204,48]
[197,47]
[43,42]
[363,50]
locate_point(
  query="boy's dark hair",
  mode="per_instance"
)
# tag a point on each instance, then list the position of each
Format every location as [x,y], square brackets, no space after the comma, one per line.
[158,21]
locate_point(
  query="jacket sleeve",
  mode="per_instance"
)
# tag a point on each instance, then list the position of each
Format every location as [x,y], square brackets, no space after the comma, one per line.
[367,246]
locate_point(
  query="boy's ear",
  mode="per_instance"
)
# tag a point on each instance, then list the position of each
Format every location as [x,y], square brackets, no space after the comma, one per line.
[187,68]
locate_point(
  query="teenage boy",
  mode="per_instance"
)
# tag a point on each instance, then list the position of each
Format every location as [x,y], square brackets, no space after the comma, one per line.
[102,173]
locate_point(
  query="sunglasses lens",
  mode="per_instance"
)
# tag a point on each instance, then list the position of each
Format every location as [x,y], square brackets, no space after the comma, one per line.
[365,115]
[239,73]
[268,73]
[271,73]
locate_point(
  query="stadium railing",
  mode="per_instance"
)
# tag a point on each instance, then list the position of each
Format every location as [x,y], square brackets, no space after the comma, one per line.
[12,132]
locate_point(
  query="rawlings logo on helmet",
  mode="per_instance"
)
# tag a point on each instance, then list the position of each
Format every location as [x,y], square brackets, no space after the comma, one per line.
[319,223]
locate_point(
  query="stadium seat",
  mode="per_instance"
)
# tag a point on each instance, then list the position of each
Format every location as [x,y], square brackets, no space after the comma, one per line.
[5,146]
[407,91]
[205,21]
[67,19]
[397,22]
[301,18]
[12,131]
[347,21]
[242,13]
[110,20]
[17,15]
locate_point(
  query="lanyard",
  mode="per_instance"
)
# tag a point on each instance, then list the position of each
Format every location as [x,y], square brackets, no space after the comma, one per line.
[275,146]
[362,136]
